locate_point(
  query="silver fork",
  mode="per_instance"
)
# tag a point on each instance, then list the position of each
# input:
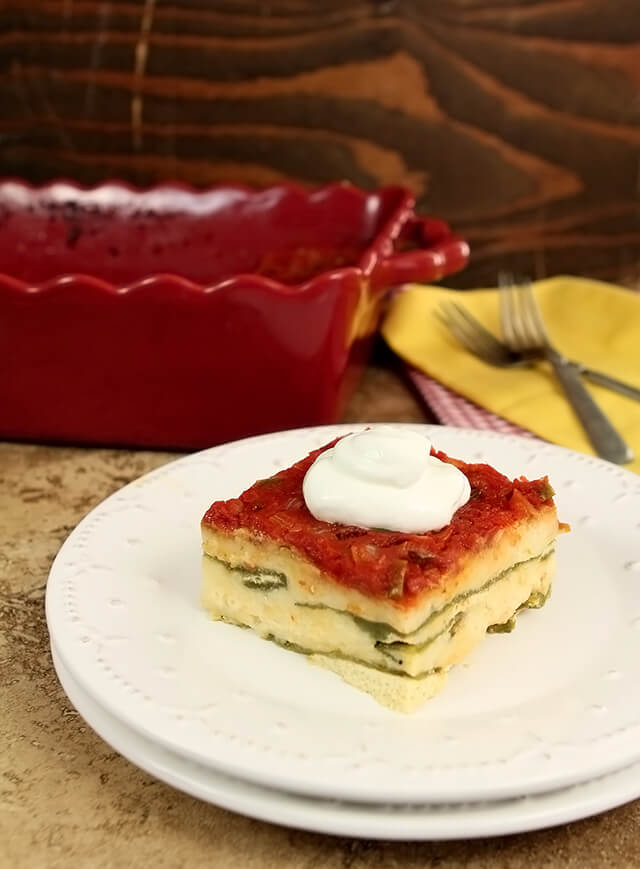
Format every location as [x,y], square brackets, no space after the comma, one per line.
[524,331]
[482,343]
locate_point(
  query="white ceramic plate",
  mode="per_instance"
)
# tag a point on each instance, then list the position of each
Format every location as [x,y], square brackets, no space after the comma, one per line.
[408,823]
[553,704]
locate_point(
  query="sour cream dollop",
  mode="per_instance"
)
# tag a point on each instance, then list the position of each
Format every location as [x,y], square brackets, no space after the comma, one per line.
[384,478]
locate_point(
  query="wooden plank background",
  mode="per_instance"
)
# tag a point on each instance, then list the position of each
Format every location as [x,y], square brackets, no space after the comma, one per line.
[517,120]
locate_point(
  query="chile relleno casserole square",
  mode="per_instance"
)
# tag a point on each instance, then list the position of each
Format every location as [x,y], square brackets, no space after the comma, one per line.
[389,612]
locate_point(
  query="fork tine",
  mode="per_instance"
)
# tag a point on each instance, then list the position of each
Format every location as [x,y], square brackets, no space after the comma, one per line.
[456,314]
[505,279]
[528,322]
[452,327]
[461,331]
[531,303]
[493,350]
[455,327]
[473,335]
[489,340]
[508,318]
[450,312]
[526,326]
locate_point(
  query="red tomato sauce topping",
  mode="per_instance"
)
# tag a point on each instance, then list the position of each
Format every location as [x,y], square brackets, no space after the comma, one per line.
[381,564]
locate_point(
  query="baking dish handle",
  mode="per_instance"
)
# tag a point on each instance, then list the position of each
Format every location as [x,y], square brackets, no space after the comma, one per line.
[425,251]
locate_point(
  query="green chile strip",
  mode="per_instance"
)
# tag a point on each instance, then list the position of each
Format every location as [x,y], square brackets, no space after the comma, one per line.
[258,578]
[382,632]
[293,647]
[403,648]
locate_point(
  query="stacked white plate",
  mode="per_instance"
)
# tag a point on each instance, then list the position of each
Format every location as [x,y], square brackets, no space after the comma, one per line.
[538,727]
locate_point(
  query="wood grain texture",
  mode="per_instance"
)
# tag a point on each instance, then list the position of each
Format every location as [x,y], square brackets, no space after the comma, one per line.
[517,120]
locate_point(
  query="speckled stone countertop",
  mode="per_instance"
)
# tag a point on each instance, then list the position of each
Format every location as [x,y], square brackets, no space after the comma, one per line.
[68,800]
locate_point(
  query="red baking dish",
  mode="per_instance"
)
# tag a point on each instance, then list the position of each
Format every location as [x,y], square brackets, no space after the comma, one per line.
[170,317]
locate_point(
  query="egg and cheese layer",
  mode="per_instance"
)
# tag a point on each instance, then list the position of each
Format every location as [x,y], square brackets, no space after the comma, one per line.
[283,600]
[390,613]
[263,600]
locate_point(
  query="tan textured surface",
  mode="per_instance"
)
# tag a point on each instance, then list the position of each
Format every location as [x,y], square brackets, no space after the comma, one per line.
[67,800]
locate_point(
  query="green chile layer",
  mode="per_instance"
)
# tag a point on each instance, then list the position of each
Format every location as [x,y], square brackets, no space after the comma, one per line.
[382,633]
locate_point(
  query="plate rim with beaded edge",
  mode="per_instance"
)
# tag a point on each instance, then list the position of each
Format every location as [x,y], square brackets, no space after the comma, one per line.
[549,706]
[363,820]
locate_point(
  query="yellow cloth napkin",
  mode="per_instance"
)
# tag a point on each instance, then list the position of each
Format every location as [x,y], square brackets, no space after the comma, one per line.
[590,321]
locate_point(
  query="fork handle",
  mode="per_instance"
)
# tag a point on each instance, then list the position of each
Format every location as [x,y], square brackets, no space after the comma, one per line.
[612,383]
[605,439]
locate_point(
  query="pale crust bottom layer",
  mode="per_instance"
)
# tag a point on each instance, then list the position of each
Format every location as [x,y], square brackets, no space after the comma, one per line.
[400,693]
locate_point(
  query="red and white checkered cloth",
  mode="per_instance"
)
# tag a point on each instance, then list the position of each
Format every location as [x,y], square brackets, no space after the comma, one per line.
[452,409]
